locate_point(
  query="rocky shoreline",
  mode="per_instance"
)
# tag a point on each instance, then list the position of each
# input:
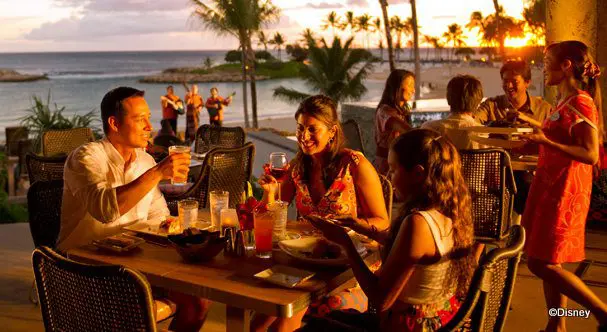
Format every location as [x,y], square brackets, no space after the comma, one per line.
[7,75]
[188,74]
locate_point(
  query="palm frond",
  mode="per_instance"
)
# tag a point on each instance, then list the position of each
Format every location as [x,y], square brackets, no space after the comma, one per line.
[289,95]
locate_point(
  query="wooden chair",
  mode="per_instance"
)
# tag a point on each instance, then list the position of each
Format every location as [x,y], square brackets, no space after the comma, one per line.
[488,299]
[353,135]
[55,142]
[226,169]
[44,168]
[82,297]
[209,137]
[491,184]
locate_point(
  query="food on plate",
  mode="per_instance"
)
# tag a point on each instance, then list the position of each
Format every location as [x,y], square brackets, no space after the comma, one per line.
[505,124]
[170,225]
[119,241]
[324,249]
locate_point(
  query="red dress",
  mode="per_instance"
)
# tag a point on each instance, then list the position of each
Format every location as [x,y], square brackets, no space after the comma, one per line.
[559,198]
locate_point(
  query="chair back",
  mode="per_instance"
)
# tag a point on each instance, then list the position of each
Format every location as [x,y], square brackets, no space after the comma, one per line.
[82,297]
[353,136]
[44,200]
[386,188]
[490,180]
[226,169]
[55,142]
[209,137]
[25,146]
[488,300]
[13,136]
[44,168]
[167,140]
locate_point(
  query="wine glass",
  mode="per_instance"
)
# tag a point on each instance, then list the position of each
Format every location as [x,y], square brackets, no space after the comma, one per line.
[278,167]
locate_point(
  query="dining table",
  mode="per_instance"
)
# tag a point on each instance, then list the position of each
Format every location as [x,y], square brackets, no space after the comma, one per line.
[229,279]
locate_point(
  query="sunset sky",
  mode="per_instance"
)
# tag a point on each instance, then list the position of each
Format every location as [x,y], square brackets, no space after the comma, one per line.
[114,25]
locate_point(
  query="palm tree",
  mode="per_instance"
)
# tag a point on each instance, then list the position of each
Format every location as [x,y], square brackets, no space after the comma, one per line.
[308,37]
[438,47]
[384,10]
[397,25]
[262,40]
[331,21]
[335,70]
[349,22]
[278,40]
[416,50]
[428,41]
[377,26]
[495,28]
[454,35]
[535,17]
[363,23]
[241,19]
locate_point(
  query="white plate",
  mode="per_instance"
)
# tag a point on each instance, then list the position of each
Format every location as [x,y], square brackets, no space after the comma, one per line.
[298,248]
[285,276]
[498,142]
[497,130]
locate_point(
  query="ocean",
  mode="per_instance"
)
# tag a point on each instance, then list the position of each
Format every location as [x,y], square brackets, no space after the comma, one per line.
[79,81]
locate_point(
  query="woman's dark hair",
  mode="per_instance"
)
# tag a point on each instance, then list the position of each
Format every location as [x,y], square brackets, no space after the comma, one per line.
[464,93]
[323,109]
[444,189]
[581,60]
[518,67]
[392,89]
[111,104]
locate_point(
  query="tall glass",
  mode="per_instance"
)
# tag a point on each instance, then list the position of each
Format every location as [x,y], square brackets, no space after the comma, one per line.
[188,213]
[219,200]
[279,211]
[278,167]
[177,180]
[263,229]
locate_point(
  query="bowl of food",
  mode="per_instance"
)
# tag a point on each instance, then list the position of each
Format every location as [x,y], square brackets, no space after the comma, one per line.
[196,245]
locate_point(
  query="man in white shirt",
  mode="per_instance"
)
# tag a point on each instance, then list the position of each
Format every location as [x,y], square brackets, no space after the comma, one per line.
[113,182]
[464,94]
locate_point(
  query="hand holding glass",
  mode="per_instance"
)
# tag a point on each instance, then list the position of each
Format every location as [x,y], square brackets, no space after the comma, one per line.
[278,167]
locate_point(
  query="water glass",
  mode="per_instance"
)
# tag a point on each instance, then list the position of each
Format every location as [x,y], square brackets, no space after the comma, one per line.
[279,211]
[219,200]
[180,181]
[188,213]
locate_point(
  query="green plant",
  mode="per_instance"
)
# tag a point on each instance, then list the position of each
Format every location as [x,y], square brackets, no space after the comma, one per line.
[335,70]
[233,56]
[41,118]
[257,190]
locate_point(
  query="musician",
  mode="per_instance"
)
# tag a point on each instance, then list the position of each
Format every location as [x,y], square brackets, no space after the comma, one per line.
[172,106]
[215,106]
[194,103]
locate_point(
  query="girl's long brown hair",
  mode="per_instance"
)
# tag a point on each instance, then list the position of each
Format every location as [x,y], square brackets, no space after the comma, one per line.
[445,190]
[392,88]
[323,109]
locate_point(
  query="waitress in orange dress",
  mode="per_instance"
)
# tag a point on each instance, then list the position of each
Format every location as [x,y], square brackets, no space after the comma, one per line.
[559,199]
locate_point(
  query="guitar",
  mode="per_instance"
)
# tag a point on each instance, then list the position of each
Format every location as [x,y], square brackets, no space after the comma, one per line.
[176,107]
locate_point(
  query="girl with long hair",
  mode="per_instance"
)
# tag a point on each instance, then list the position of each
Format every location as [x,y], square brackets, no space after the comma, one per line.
[393,114]
[427,261]
[559,198]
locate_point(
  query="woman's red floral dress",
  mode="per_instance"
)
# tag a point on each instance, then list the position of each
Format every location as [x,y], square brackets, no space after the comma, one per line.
[559,199]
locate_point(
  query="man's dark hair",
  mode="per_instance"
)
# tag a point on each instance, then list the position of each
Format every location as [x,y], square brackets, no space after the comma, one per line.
[464,93]
[111,104]
[518,67]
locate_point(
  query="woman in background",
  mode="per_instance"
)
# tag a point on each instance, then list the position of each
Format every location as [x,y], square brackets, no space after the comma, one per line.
[393,114]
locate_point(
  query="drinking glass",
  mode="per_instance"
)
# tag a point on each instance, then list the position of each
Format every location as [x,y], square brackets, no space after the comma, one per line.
[219,200]
[188,213]
[279,210]
[278,167]
[179,181]
[263,229]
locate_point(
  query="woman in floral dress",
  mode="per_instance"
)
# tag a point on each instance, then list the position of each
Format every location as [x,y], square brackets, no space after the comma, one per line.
[559,198]
[327,180]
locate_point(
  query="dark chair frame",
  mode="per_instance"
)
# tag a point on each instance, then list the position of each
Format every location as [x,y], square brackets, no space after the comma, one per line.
[204,183]
[484,293]
[209,137]
[355,128]
[52,167]
[388,191]
[57,317]
[45,220]
[492,231]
